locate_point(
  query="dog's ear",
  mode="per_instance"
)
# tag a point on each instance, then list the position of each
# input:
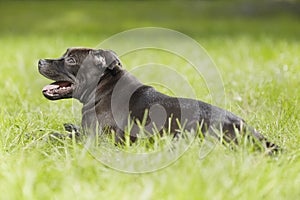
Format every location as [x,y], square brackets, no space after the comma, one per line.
[105,58]
[112,59]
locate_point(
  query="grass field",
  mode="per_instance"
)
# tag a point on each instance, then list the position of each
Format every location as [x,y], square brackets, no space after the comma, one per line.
[257,54]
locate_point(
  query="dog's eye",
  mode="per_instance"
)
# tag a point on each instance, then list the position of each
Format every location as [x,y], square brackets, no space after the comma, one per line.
[70,61]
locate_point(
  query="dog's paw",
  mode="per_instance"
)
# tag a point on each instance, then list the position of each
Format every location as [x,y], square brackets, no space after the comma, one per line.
[71,128]
[74,130]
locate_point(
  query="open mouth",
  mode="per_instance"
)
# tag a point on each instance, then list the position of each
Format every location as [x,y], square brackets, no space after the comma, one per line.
[58,90]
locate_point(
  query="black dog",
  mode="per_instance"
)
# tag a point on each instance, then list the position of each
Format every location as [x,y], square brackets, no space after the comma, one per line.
[110,96]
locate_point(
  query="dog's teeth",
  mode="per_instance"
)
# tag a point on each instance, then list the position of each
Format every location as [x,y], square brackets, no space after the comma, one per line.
[50,87]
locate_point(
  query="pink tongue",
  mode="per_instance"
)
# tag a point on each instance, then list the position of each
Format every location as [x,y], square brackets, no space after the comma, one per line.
[50,87]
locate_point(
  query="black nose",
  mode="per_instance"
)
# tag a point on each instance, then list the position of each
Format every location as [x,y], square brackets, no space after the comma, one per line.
[42,62]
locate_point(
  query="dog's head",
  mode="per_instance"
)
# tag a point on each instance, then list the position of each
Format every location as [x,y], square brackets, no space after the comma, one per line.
[76,71]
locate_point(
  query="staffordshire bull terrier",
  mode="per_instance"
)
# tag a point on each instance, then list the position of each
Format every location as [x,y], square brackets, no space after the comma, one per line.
[113,99]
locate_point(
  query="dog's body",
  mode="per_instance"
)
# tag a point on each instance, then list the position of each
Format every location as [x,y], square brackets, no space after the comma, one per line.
[111,95]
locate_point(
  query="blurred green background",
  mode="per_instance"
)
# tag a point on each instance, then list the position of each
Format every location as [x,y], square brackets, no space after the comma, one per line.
[31,30]
[194,18]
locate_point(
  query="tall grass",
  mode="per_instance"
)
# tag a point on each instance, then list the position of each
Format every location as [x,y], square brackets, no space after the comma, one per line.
[258,58]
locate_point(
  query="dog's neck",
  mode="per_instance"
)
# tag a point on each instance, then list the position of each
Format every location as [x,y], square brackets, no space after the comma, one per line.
[103,87]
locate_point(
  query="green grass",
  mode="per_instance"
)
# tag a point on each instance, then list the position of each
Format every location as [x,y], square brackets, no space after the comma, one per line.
[257,56]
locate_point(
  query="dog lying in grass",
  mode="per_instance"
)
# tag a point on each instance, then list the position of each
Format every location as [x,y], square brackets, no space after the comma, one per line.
[112,97]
